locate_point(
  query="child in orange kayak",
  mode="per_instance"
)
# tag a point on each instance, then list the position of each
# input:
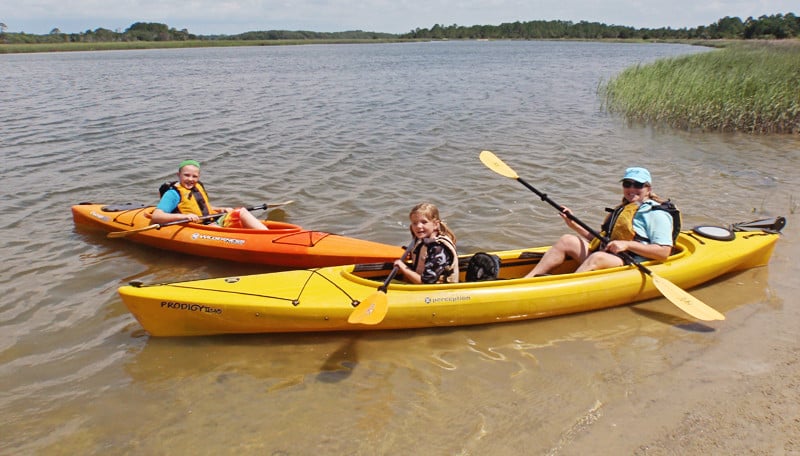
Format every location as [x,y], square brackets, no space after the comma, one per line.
[433,258]
[187,199]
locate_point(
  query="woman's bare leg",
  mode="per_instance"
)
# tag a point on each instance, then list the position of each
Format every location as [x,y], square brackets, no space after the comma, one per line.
[568,245]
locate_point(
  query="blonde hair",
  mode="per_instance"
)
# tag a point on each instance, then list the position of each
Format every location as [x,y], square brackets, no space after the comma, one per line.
[432,212]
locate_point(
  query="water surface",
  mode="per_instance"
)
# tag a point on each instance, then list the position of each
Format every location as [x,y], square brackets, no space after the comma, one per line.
[355,135]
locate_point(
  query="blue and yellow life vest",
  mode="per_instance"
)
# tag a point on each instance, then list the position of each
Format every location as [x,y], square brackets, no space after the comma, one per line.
[194,201]
[619,223]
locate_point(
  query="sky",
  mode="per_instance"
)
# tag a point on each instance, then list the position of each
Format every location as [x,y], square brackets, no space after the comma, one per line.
[230,17]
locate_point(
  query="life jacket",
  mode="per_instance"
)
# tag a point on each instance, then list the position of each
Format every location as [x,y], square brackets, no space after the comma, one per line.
[619,223]
[672,210]
[450,275]
[194,201]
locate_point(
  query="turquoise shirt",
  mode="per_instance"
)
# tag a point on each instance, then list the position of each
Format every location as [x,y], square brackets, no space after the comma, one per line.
[654,225]
[169,201]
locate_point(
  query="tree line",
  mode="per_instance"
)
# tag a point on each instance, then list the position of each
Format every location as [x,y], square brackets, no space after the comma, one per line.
[139,31]
[777,26]
[151,31]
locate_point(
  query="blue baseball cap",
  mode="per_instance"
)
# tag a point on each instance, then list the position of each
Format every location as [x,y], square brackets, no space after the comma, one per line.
[640,175]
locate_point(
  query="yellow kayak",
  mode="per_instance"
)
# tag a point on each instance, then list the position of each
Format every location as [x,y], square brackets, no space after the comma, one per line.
[322,299]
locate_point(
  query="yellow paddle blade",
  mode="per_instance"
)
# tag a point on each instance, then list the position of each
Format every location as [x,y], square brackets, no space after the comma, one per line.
[371,310]
[686,302]
[495,164]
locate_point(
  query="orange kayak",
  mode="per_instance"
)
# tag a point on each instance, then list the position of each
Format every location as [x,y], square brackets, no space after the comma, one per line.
[284,244]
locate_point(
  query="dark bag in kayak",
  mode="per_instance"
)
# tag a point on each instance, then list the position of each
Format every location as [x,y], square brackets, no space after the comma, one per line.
[483,266]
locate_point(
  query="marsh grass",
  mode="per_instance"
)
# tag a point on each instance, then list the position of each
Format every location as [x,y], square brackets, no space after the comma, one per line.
[126,45]
[747,87]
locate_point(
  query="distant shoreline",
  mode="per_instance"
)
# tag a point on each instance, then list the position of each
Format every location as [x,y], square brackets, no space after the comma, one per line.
[132,45]
[28,48]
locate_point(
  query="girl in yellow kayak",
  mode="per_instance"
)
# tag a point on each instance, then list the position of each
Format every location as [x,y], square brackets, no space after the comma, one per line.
[637,226]
[434,258]
[186,199]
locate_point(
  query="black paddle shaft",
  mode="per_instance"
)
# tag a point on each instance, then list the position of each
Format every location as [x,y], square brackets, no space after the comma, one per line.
[560,208]
[395,269]
[604,240]
[209,216]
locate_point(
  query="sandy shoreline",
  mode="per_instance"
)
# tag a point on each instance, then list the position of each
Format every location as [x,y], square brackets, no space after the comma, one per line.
[740,396]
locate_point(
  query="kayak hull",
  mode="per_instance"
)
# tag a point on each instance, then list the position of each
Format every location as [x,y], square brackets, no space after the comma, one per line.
[322,299]
[283,245]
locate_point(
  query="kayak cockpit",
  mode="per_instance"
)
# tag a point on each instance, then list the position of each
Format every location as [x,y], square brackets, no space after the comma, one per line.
[514,264]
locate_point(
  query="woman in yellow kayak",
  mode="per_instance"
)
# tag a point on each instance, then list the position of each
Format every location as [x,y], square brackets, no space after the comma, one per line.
[434,258]
[637,226]
[187,199]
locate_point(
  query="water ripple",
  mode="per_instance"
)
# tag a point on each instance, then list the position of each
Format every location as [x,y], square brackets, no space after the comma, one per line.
[356,135]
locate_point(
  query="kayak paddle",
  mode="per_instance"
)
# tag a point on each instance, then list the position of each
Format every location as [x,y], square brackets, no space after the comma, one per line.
[372,310]
[686,302]
[155,226]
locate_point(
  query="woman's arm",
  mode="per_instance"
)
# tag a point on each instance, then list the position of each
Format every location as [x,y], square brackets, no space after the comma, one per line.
[653,251]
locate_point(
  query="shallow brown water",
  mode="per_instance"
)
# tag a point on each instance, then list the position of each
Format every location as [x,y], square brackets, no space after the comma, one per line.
[356,135]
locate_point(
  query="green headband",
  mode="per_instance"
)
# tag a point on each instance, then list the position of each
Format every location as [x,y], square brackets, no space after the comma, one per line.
[189,162]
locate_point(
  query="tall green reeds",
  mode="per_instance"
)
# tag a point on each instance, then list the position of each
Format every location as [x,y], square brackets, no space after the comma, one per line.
[747,87]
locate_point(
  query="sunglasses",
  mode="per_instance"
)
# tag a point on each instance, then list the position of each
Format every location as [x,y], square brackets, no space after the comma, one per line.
[634,184]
